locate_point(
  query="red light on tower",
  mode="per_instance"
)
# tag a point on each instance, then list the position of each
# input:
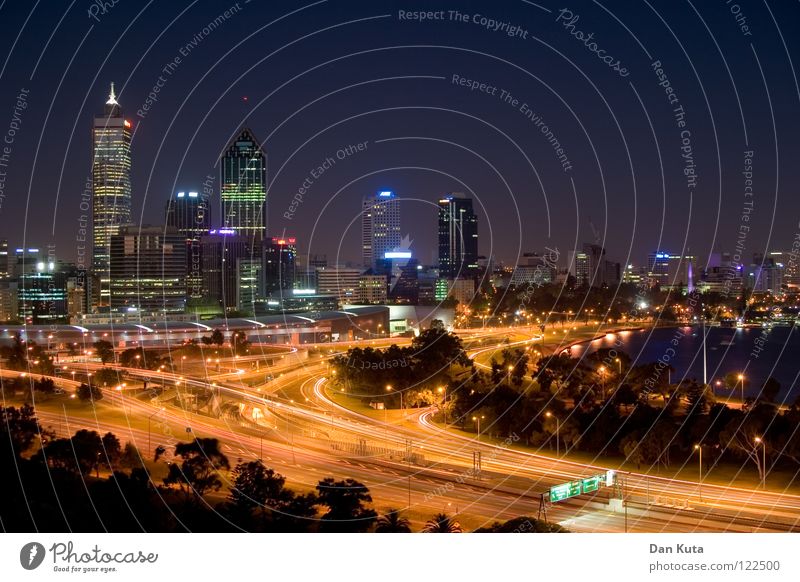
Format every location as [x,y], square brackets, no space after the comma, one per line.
[127,123]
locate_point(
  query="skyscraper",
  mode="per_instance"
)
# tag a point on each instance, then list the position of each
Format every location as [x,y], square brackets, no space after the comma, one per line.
[148,270]
[189,214]
[671,271]
[111,185]
[243,172]
[380,227]
[221,251]
[458,237]
[280,263]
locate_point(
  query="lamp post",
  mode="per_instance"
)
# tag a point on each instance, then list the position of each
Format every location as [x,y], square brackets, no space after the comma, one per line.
[699,449]
[740,378]
[443,390]
[549,414]
[510,369]
[390,389]
[478,420]
[619,365]
[602,371]
[760,441]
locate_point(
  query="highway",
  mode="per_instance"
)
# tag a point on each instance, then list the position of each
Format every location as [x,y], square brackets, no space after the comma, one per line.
[310,436]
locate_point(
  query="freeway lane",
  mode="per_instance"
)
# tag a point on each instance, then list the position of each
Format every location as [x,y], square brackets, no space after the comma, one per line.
[316,437]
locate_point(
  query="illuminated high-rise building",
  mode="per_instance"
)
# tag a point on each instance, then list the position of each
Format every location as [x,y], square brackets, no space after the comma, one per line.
[111,185]
[380,227]
[458,237]
[243,172]
[190,214]
[148,270]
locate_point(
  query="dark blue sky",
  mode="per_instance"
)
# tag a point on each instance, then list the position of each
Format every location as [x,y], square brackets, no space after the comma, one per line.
[321,76]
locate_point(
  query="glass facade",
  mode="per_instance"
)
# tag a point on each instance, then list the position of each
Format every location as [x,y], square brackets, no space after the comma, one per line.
[111,185]
[243,172]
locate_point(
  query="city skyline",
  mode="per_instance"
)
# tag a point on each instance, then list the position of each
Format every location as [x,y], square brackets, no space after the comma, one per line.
[353,267]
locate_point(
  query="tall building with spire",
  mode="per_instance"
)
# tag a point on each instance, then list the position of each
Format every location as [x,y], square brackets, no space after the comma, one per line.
[243,173]
[111,185]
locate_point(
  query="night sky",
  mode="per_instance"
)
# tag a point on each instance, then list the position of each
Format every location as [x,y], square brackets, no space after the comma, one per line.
[311,78]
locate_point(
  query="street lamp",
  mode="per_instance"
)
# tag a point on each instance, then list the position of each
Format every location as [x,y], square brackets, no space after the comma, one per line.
[478,420]
[510,369]
[390,389]
[760,441]
[740,378]
[443,390]
[619,365]
[549,414]
[699,449]
[602,371]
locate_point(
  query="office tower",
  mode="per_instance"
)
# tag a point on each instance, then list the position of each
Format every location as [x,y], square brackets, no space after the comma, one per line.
[766,274]
[339,281]
[148,270]
[189,213]
[535,270]
[380,226]
[787,260]
[249,284]
[5,259]
[41,287]
[243,175]
[595,255]
[401,271]
[111,185]
[671,271]
[458,237]
[372,288]
[581,267]
[280,262]
[221,250]
[722,275]
[9,300]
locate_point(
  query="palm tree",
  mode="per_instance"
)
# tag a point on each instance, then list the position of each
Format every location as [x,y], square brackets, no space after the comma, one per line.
[442,523]
[392,522]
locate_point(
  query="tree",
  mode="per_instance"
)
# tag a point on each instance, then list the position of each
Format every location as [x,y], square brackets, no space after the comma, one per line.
[130,457]
[107,377]
[745,436]
[45,385]
[15,355]
[104,350]
[345,502]
[392,522]
[239,343]
[197,473]
[112,449]
[629,446]
[80,454]
[89,393]
[441,523]
[256,486]
[523,524]
[19,429]
[770,390]
[217,338]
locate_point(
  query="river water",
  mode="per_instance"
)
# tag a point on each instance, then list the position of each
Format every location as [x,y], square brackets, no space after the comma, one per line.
[728,350]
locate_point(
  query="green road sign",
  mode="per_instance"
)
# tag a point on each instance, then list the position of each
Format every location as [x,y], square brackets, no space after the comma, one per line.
[592,484]
[565,491]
